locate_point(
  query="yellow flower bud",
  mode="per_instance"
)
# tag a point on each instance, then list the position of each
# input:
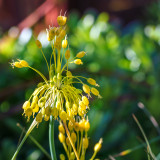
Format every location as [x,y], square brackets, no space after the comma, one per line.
[69,74]
[72,156]
[51,33]
[86,89]
[81,112]
[46,118]
[35,99]
[42,102]
[62,157]
[23,63]
[33,105]
[26,105]
[63,116]
[43,111]
[39,117]
[54,112]
[28,112]
[36,109]
[67,54]
[67,141]
[81,125]
[85,100]
[61,137]
[95,92]
[70,125]
[73,137]
[98,146]
[82,105]
[61,128]
[80,54]
[38,43]
[78,61]
[92,82]
[87,126]
[17,64]
[61,20]
[85,143]
[64,43]
[48,110]
[76,126]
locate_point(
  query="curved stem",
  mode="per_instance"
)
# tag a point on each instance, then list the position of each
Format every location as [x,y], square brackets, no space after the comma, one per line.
[34,123]
[51,139]
[68,134]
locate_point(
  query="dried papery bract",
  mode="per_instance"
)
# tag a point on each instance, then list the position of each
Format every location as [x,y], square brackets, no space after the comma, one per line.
[57,98]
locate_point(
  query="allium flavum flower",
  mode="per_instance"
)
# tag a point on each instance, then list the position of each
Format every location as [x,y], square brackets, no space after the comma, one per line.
[58,99]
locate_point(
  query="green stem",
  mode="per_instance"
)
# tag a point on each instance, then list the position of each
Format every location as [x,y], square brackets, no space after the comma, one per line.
[51,139]
[34,123]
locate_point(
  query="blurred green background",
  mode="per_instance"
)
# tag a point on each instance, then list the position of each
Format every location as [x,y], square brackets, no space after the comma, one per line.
[123,56]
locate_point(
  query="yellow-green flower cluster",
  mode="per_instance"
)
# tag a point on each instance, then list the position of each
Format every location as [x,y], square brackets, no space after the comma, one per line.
[58,96]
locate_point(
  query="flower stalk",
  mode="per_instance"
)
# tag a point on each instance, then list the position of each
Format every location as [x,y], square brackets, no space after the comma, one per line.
[51,139]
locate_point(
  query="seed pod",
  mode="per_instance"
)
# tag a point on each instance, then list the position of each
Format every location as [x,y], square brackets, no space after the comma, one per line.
[80,54]
[39,117]
[67,54]
[85,143]
[61,137]
[98,146]
[64,43]
[86,89]
[78,61]
[61,20]
[38,43]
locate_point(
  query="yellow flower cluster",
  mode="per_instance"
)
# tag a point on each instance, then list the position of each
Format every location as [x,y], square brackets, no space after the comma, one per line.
[78,133]
[57,97]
